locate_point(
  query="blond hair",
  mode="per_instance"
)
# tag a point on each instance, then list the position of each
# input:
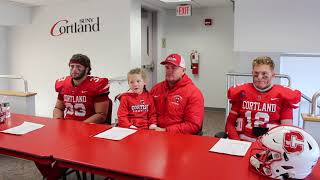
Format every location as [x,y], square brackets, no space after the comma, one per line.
[138,71]
[263,60]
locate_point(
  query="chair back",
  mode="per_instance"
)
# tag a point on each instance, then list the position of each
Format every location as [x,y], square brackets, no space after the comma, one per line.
[109,112]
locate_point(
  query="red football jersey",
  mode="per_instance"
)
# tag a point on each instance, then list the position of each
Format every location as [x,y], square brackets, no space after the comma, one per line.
[79,100]
[136,109]
[262,109]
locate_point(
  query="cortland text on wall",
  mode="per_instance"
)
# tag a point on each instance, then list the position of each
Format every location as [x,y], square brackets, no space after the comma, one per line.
[83,25]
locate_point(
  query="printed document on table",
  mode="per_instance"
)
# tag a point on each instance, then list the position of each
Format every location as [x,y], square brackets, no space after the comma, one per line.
[24,128]
[115,133]
[232,147]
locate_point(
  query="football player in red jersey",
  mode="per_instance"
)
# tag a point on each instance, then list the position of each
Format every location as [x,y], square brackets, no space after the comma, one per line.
[260,105]
[136,108]
[80,96]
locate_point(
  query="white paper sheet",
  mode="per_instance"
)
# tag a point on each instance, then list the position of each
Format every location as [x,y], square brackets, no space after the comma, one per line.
[232,147]
[115,133]
[24,128]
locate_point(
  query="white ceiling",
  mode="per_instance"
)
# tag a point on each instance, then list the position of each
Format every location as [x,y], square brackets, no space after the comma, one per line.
[41,2]
[195,3]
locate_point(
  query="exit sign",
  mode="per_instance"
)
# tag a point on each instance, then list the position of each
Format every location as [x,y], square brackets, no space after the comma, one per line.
[183,10]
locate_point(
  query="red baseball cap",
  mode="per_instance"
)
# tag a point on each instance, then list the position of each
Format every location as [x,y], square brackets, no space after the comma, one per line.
[175,59]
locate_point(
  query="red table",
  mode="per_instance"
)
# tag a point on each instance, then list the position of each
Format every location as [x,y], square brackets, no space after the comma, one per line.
[41,144]
[158,155]
[151,154]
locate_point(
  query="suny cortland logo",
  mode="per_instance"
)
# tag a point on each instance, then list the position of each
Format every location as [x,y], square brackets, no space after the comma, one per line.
[64,26]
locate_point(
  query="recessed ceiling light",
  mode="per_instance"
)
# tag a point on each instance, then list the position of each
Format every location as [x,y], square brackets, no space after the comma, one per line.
[175,1]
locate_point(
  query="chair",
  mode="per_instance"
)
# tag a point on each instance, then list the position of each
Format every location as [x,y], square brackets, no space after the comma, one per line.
[70,171]
[200,133]
[84,175]
[221,135]
[109,113]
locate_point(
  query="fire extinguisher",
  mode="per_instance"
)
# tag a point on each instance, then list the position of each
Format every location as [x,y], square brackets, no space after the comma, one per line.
[194,57]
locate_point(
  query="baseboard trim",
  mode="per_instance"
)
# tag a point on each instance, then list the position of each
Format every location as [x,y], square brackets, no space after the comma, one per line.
[214,109]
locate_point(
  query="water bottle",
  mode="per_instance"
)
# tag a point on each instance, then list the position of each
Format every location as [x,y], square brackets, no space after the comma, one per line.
[2,113]
[6,106]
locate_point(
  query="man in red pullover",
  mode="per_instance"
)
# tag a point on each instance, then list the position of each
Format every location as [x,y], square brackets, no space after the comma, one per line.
[179,103]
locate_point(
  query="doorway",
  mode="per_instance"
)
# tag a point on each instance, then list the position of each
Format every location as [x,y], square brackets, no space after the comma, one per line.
[148,45]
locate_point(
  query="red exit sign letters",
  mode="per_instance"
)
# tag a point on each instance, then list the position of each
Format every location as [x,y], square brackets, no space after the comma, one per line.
[183,10]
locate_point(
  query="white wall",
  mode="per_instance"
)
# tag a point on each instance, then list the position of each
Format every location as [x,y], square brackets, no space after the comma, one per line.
[215,44]
[304,78]
[288,26]
[11,14]
[3,57]
[242,63]
[272,28]
[14,14]
[42,58]
[243,60]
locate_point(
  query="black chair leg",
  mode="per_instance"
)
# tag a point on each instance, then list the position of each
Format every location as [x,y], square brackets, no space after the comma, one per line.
[78,175]
[92,176]
[84,176]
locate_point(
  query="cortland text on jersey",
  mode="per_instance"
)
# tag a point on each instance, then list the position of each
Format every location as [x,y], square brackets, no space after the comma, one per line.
[259,106]
[74,99]
[140,108]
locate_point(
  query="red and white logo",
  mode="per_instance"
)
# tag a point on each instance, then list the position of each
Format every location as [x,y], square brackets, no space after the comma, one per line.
[293,142]
[64,26]
[170,58]
[141,101]
[177,99]
[175,59]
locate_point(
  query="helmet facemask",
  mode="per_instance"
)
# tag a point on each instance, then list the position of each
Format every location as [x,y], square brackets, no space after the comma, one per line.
[262,159]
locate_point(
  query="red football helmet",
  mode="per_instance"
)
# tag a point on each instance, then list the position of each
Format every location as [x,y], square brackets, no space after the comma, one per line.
[285,152]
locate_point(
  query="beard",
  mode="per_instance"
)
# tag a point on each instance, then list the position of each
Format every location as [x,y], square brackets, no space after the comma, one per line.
[80,76]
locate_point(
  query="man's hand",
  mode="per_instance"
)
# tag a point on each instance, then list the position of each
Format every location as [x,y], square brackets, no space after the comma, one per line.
[58,111]
[100,117]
